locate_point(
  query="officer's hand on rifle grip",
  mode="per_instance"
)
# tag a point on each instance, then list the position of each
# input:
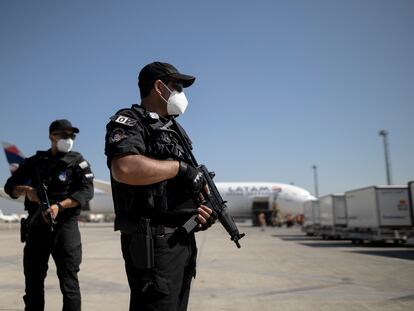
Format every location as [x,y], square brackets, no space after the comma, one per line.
[193,176]
[53,211]
[206,218]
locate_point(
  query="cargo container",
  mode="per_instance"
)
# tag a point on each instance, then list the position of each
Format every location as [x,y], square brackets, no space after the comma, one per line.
[378,213]
[333,214]
[311,215]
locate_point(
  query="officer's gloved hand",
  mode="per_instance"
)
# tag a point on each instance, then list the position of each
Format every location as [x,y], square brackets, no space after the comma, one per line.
[193,176]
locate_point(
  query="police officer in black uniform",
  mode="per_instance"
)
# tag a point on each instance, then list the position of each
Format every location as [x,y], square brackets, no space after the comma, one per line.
[155,192]
[68,178]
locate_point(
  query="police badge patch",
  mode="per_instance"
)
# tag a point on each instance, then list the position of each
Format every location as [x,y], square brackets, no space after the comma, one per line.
[62,176]
[117,135]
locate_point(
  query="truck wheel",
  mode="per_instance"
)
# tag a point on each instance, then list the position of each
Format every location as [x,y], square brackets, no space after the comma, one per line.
[399,242]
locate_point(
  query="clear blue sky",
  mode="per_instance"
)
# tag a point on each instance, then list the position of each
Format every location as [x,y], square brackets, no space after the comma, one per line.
[281,85]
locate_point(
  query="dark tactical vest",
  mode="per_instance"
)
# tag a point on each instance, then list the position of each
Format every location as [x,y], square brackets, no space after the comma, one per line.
[165,202]
[58,174]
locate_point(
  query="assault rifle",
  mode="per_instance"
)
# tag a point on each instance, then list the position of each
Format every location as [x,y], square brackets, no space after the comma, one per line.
[213,200]
[44,204]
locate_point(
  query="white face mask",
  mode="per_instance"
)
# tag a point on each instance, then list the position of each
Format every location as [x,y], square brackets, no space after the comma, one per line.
[65,145]
[176,103]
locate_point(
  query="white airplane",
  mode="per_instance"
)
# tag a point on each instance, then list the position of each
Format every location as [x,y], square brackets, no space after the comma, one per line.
[244,199]
[9,218]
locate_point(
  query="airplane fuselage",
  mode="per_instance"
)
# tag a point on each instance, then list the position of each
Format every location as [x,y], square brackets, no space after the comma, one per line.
[242,198]
[246,198]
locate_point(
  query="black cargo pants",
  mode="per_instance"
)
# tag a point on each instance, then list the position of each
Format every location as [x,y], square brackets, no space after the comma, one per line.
[166,287]
[64,244]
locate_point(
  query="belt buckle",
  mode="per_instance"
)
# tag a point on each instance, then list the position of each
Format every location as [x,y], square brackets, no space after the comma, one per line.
[169,230]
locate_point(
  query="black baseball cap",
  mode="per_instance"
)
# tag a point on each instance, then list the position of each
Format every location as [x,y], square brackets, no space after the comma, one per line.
[62,125]
[158,70]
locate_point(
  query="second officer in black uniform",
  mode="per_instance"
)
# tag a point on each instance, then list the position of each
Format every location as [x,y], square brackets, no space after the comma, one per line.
[155,192]
[68,179]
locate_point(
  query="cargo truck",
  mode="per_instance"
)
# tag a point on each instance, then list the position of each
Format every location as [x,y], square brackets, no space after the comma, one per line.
[333,216]
[378,213]
[311,221]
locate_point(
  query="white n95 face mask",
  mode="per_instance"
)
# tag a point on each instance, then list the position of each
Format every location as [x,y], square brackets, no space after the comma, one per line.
[65,145]
[177,102]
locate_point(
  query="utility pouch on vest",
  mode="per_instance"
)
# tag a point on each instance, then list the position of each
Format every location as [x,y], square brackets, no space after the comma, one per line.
[141,247]
[23,230]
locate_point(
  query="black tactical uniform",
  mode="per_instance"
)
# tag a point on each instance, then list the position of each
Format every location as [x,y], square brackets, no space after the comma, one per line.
[159,259]
[66,175]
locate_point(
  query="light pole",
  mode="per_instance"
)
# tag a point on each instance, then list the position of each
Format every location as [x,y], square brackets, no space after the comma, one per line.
[384,135]
[315,177]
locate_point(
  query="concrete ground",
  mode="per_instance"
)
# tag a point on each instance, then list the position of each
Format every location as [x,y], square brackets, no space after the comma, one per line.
[278,269]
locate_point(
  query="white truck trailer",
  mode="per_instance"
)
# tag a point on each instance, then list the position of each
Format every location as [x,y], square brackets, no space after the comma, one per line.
[378,213]
[333,216]
[311,221]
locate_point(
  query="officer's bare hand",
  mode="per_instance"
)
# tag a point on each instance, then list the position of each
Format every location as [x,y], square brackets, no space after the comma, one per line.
[28,191]
[205,218]
[53,210]
[204,213]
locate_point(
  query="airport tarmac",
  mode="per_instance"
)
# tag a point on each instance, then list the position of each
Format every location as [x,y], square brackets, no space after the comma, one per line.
[278,269]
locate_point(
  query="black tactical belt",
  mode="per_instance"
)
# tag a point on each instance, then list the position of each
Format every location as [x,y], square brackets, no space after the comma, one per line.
[155,230]
[161,230]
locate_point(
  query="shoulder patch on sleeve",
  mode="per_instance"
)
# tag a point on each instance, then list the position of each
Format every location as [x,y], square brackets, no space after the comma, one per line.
[117,135]
[124,120]
[83,165]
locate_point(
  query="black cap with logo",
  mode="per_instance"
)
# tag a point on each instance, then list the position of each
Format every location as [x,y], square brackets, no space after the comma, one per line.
[62,125]
[158,70]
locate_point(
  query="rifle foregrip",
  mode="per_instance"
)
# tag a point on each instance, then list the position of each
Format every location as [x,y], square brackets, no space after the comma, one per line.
[218,205]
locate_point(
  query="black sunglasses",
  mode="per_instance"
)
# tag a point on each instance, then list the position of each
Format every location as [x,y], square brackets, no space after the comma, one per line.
[177,85]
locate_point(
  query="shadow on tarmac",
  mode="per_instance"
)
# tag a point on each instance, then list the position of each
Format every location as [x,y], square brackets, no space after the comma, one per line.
[406,253]
[329,244]
[400,254]
[292,237]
